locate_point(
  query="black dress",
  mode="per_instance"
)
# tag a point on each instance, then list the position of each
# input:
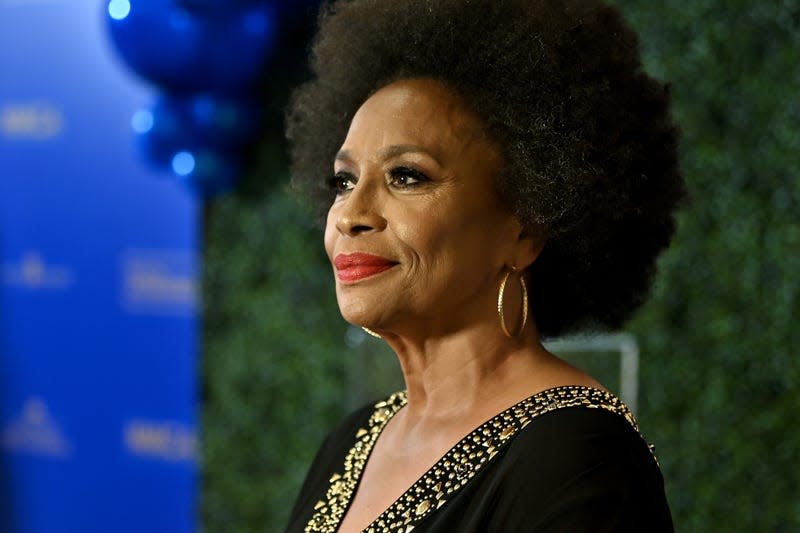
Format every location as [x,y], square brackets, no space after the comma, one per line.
[569,459]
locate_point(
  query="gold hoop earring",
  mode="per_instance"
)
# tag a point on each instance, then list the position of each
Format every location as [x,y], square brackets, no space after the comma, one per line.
[500,304]
[365,328]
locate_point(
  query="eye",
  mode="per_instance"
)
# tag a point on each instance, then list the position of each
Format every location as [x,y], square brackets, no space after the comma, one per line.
[341,182]
[406,177]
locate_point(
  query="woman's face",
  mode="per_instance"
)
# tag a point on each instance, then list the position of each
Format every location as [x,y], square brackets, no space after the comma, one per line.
[417,235]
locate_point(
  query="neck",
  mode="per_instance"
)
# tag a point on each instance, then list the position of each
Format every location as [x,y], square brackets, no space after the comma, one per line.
[467,374]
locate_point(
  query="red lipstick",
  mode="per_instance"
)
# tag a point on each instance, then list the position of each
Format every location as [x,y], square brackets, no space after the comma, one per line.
[356,266]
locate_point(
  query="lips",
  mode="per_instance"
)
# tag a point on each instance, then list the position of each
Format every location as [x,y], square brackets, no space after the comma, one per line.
[357,266]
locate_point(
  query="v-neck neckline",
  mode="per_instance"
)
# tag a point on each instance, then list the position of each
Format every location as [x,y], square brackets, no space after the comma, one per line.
[455,469]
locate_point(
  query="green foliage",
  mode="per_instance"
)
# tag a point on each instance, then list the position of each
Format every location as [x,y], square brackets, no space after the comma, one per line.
[272,357]
[719,375]
[718,391]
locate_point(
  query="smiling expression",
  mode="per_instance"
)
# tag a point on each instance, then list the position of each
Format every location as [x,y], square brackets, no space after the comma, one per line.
[416,233]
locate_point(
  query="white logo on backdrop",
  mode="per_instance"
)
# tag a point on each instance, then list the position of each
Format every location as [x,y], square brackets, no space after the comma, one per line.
[31,120]
[35,431]
[163,440]
[33,272]
[159,282]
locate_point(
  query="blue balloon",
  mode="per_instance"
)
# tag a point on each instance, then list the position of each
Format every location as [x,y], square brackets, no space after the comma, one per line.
[189,50]
[236,47]
[159,40]
[205,172]
[215,6]
[206,54]
[168,131]
[223,122]
[200,138]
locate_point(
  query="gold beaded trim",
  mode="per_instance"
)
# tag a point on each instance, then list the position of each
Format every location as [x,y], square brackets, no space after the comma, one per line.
[458,466]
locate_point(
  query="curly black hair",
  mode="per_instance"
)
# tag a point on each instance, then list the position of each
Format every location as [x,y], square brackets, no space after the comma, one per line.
[589,149]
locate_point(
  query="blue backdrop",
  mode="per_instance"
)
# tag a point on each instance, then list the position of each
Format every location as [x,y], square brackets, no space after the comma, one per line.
[98,309]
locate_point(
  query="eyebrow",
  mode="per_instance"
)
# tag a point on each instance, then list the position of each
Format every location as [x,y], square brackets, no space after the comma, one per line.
[389,152]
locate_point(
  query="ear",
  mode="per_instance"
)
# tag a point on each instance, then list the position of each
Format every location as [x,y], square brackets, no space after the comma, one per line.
[527,247]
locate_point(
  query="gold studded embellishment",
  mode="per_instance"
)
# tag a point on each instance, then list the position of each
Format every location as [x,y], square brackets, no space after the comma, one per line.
[328,513]
[455,469]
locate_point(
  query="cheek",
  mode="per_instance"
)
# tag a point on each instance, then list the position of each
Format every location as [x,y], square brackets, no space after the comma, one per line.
[331,233]
[470,236]
[422,230]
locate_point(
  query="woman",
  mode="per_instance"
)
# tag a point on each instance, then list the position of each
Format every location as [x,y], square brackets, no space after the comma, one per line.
[503,171]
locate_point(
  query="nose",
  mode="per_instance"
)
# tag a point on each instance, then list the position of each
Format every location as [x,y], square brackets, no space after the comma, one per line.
[360,211]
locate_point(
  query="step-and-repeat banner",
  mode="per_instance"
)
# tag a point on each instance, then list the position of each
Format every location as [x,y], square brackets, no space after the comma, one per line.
[98,291]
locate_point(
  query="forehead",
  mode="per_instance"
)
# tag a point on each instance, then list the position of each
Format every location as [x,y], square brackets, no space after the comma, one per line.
[422,111]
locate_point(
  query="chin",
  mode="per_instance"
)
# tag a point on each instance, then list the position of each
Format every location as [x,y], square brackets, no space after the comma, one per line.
[357,311]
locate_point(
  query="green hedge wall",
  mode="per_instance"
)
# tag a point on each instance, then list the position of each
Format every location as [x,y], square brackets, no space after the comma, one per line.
[718,376]
[720,334]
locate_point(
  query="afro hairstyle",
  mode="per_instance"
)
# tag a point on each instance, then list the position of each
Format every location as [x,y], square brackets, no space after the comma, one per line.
[589,148]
